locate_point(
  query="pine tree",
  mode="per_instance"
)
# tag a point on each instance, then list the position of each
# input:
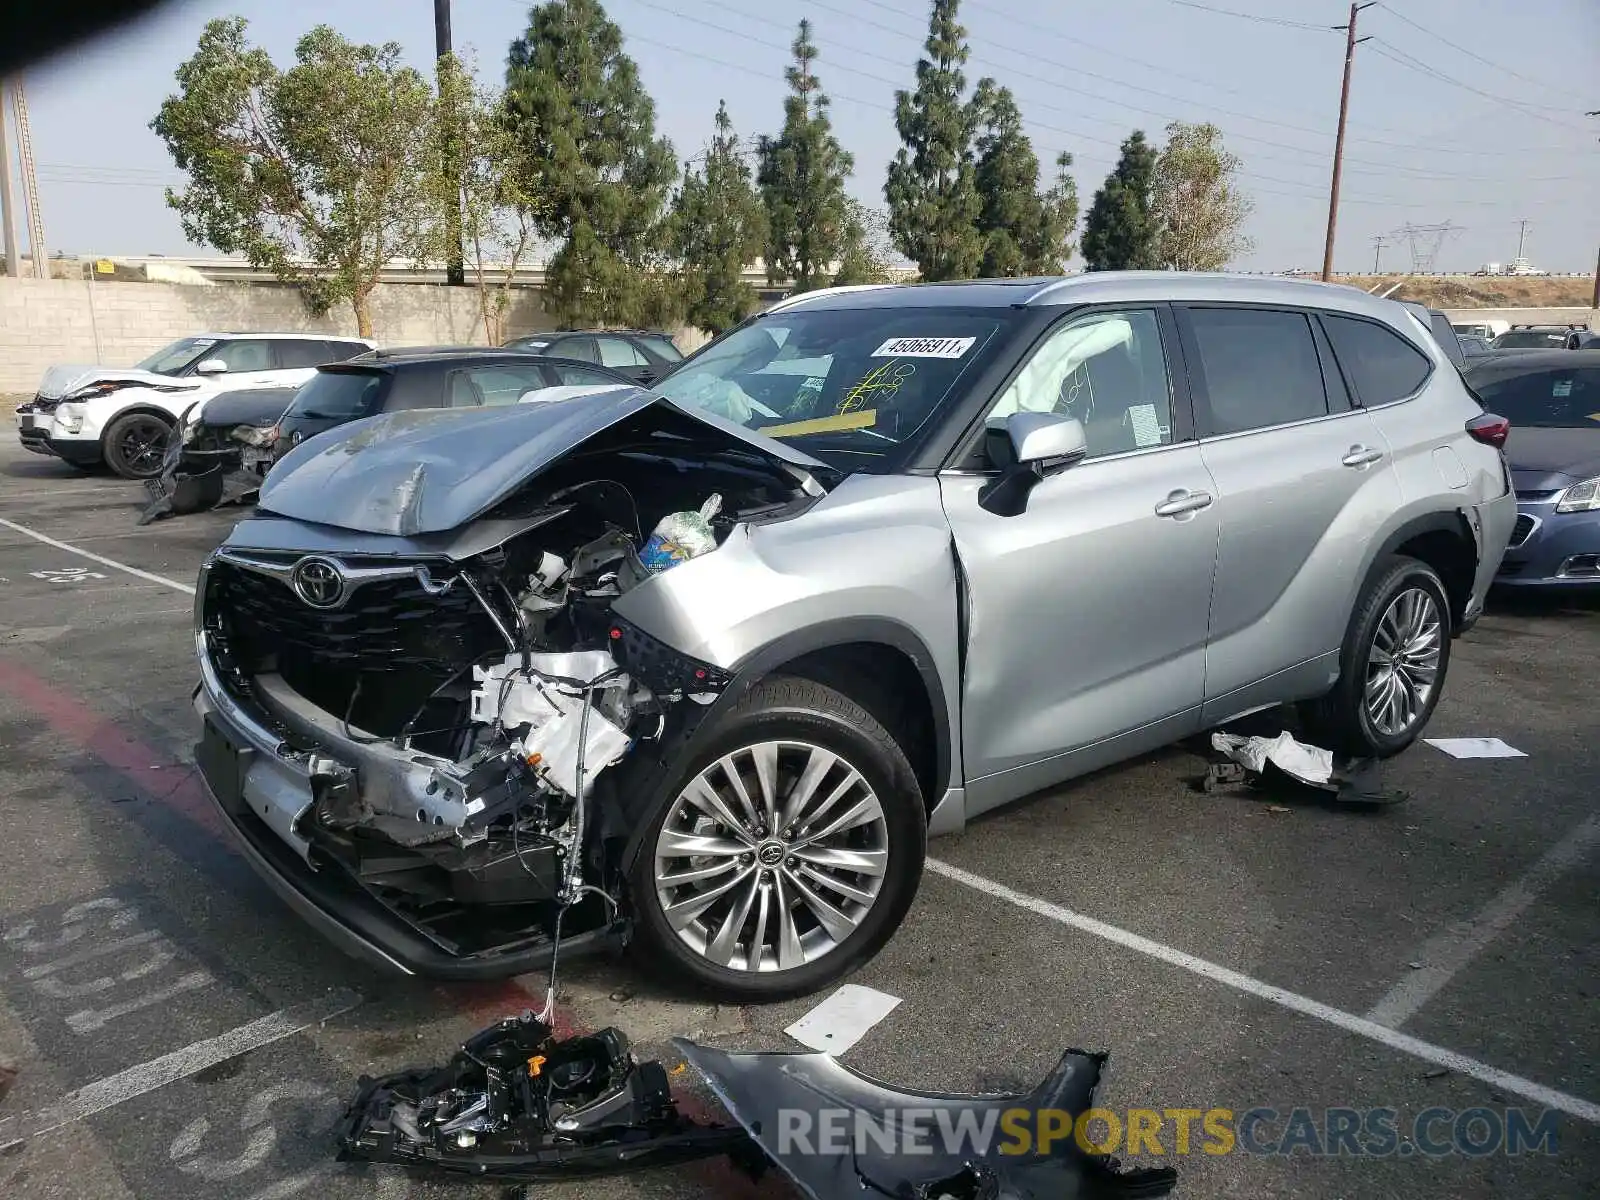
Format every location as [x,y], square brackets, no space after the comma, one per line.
[931,188]
[1120,233]
[801,176]
[1050,248]
[719,228]
[1025,232]
[589,129]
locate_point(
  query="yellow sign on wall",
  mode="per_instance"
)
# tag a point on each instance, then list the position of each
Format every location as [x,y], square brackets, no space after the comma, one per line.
[105,266]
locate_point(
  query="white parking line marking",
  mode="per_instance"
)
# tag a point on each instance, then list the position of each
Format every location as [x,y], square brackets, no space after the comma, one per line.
[1362,1027]
[158,1072]
[1447,953]
[101,559]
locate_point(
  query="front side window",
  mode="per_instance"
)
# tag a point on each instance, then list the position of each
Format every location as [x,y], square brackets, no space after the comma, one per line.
[840,382]
[580,348]
[1381,365]
[171,360]
[1260,368]
[245,355]
[663,346]
[1108,370]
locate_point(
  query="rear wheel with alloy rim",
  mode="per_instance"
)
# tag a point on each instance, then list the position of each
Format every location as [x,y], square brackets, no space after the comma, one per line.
[787,854]
[1393,663]
[135,445]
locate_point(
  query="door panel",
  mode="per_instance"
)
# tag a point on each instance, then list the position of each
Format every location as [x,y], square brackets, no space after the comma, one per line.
[1087,616]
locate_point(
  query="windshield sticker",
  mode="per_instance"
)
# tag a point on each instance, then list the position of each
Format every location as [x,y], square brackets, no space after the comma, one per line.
[912,347]
[880,383]
[862,419]
[1561,389]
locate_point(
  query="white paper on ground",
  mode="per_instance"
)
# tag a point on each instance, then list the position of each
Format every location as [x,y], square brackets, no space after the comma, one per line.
[843,1019]
[1475,748]
[1311,764]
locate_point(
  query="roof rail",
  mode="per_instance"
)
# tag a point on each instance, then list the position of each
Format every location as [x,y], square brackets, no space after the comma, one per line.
[1046,288]
[791,301]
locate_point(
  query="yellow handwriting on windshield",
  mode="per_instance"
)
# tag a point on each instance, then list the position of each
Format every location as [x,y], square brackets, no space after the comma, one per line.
[880,384]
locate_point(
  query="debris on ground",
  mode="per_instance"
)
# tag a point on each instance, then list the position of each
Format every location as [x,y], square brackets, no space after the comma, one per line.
[1283,763]
[517,1105]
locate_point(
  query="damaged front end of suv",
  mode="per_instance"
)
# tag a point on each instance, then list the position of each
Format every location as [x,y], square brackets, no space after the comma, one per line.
[425,710]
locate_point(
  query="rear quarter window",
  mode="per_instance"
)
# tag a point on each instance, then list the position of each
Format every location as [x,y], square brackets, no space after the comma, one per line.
[1380,365]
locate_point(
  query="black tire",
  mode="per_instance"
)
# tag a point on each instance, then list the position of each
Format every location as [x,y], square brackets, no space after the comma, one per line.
[1343,720]
[790,710]
[135,444]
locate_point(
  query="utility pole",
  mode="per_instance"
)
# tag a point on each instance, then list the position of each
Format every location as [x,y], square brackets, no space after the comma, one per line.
[1595,302]
[1377,253]
[8,198]
[1522,235]
[455,270]
[1338,144]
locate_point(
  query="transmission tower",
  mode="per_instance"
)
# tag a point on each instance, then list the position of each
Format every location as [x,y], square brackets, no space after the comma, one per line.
[30,184]
[1425,242]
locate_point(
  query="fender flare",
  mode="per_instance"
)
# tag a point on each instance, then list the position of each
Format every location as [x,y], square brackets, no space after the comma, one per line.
[642,787]
[1453,522]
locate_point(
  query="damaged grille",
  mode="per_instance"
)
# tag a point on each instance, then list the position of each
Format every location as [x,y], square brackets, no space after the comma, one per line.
[385,624]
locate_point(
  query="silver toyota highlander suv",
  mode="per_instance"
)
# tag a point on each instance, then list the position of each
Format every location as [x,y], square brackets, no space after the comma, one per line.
[699,670]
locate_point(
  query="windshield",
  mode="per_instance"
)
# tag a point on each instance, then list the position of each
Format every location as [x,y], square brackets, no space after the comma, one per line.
[1552,398]
[335,395]
[170,360]
[1530,339]
[853,381]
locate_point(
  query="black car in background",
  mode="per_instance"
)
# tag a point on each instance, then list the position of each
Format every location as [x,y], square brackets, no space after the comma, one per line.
[427,377]
[643,355]
[225,446]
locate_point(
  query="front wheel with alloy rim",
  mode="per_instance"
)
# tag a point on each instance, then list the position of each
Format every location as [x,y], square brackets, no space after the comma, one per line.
[787,853]
[135,445]
[1393,663]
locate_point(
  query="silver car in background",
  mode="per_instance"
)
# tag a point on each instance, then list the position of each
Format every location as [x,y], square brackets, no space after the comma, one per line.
[918,551]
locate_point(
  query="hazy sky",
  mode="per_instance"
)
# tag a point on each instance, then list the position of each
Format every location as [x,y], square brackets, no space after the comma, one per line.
[1463,111]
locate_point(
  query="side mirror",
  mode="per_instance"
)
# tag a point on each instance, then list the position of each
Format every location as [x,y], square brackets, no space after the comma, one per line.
[211,366]
[1030,447]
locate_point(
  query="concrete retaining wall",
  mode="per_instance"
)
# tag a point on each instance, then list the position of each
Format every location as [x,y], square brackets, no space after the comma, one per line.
[47,321]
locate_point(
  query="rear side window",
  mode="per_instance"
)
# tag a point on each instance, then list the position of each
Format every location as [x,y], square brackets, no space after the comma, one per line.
[1381,365]
[1260,368]
[293,354]
[338,395]
[663,346]
[580,348]
[615,352]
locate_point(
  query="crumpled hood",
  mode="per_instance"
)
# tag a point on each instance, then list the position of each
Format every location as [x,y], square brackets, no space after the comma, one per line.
[1543,460]
[251,406]
[63,380]
[428,471]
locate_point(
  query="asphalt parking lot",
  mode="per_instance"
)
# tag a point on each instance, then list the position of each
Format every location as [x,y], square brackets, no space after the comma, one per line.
[1229,951]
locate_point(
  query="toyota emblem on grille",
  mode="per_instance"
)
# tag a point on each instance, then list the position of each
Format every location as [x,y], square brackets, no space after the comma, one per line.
[318,581]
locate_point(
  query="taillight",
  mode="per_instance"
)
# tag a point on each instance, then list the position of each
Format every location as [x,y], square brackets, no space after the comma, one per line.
[1489,429]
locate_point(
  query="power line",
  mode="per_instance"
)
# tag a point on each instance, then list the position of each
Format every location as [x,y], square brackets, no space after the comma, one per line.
[1245,16]
[1438,37]
[1410,61]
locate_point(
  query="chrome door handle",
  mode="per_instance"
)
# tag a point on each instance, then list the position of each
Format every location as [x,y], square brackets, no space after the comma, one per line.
[1360,456]
[1181,501]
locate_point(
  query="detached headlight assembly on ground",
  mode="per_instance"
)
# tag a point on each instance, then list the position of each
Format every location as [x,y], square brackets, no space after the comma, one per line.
[70,417]
[1581,497]
[252,435]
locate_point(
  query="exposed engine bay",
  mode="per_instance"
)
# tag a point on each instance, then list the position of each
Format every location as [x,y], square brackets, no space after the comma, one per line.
[516,1104]
[457,708]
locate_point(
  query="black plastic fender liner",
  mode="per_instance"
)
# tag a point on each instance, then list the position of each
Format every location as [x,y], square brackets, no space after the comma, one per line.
[783,1099]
